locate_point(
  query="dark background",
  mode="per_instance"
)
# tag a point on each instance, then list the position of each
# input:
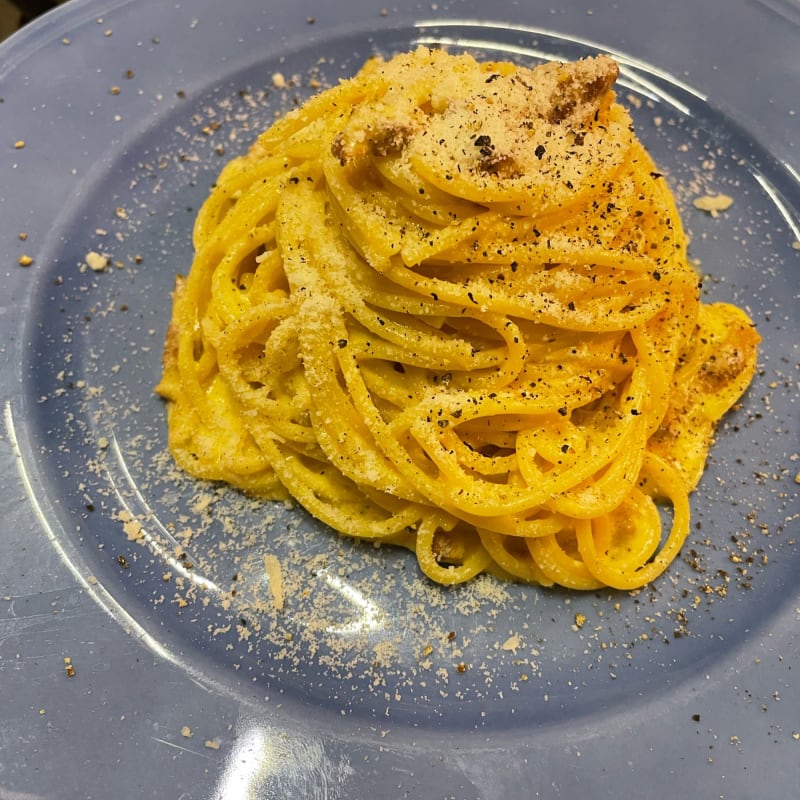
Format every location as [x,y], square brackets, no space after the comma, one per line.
[16,13]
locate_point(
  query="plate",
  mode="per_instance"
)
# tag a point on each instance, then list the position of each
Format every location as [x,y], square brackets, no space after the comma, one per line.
[137,598]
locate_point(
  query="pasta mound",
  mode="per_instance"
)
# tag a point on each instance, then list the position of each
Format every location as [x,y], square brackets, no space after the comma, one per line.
[447,305]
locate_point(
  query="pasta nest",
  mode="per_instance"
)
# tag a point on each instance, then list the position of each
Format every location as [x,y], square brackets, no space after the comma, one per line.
[447,304]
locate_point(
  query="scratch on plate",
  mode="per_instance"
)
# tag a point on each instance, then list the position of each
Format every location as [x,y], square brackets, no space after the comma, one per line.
[788,10]
[171,744]
[8,794]
[43,623]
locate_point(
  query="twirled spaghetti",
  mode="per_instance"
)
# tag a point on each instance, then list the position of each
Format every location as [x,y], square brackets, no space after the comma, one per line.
[447,305]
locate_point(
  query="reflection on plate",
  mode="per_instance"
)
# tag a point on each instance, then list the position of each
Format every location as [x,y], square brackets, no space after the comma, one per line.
[359,633]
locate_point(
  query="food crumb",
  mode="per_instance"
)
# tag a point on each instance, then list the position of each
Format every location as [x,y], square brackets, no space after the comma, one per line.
[95,261]
[278,80]
[796,244]
[580,620]
[19,144]
[25,261]
[69,668]
[275,577]
[212,744]
[713,203]
[133,530]
[186,732]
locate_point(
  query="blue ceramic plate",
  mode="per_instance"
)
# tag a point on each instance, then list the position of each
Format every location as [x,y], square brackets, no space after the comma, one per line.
[141,650]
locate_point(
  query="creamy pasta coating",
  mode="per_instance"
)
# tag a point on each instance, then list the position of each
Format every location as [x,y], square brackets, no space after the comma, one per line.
[447,305]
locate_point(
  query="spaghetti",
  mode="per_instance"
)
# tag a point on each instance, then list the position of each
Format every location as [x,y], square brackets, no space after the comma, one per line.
[447,305]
